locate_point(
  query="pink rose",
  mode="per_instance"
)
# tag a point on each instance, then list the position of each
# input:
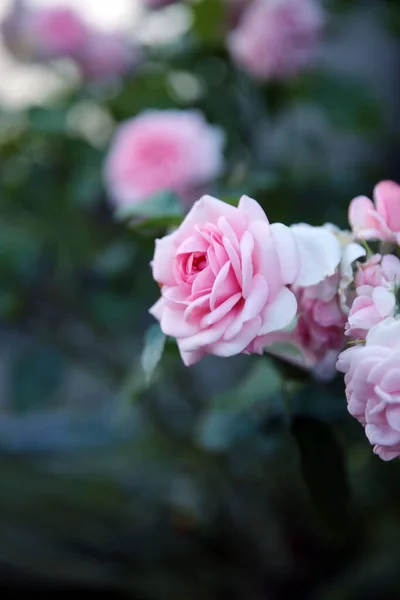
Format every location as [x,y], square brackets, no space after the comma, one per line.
[106,56]
[44,33]
[276,38]
[372,377]
[158,3]
[162,150]
[379,221]
[224,276]
[376,283]
[318,336]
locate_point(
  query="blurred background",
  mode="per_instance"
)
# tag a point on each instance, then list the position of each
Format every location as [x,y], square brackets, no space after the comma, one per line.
[197,487]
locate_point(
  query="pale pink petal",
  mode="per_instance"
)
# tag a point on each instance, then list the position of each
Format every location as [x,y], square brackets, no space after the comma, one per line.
[252,209]
[256,299]
[384,301]
[220,312]
[173,323]
[287,250]
[227,231]
[191,244]
[190,358]
[246,335]
[163,262]
[387,200]
[202,302]
[225,285]
[205,337]
[221,254]
[157,309]
[234,258]
[204,281]
[246,251]
[319,254]
[279,313]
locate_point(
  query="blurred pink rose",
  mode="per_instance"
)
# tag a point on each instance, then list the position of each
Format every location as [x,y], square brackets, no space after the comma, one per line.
[224,276]
[372,378]
[162,150]
[44,33]
[276,38]
[379,221]
[106,56]
[158,3]
[376,282]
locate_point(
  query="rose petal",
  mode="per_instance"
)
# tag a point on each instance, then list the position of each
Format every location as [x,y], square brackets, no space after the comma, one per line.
[279,313]
[246,250]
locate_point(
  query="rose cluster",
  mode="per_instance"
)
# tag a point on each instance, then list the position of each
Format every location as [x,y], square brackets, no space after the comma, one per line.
[44,34]
[231,282]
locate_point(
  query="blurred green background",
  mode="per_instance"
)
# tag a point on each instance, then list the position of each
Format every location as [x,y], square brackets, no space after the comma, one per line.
[199,486]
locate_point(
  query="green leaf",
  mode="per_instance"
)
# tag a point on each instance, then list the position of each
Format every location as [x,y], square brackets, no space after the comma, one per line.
[230,417]
[209,18]
[263,381]
[163,209]
[324,470]
[153,350]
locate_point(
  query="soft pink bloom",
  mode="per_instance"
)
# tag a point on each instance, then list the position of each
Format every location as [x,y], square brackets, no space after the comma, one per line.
[44,33]
[378,220]
[376,286]
[160,150]
[106,56]
[224,276]
[276,38]
[316,339]
[372,377]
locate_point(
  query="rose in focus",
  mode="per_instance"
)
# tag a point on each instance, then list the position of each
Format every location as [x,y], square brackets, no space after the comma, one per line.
[376,287]
[162,150]
[372,378]
[378,220]
[225,274]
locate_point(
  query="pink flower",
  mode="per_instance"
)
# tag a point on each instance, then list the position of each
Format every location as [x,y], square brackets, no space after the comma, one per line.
[224,276]
[162,150]
[276,38]
[379,221]
[372,377]
[106,56]
[318,335]
[376,283]
[158,3]
[44,33]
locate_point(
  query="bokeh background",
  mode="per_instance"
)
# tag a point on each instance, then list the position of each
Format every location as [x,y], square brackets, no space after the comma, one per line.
[199,486]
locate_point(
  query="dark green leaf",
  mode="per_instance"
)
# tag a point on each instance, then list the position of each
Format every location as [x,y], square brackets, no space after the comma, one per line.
[163,209]
[324,470]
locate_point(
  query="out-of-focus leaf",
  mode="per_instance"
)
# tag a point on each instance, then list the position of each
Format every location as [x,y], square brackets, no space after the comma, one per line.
[225,422]
[36,375]
[348,103]
[209,20]
[115,258]
[262,382]
[324,470]
[48,120]
[152,351]
[163,209]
